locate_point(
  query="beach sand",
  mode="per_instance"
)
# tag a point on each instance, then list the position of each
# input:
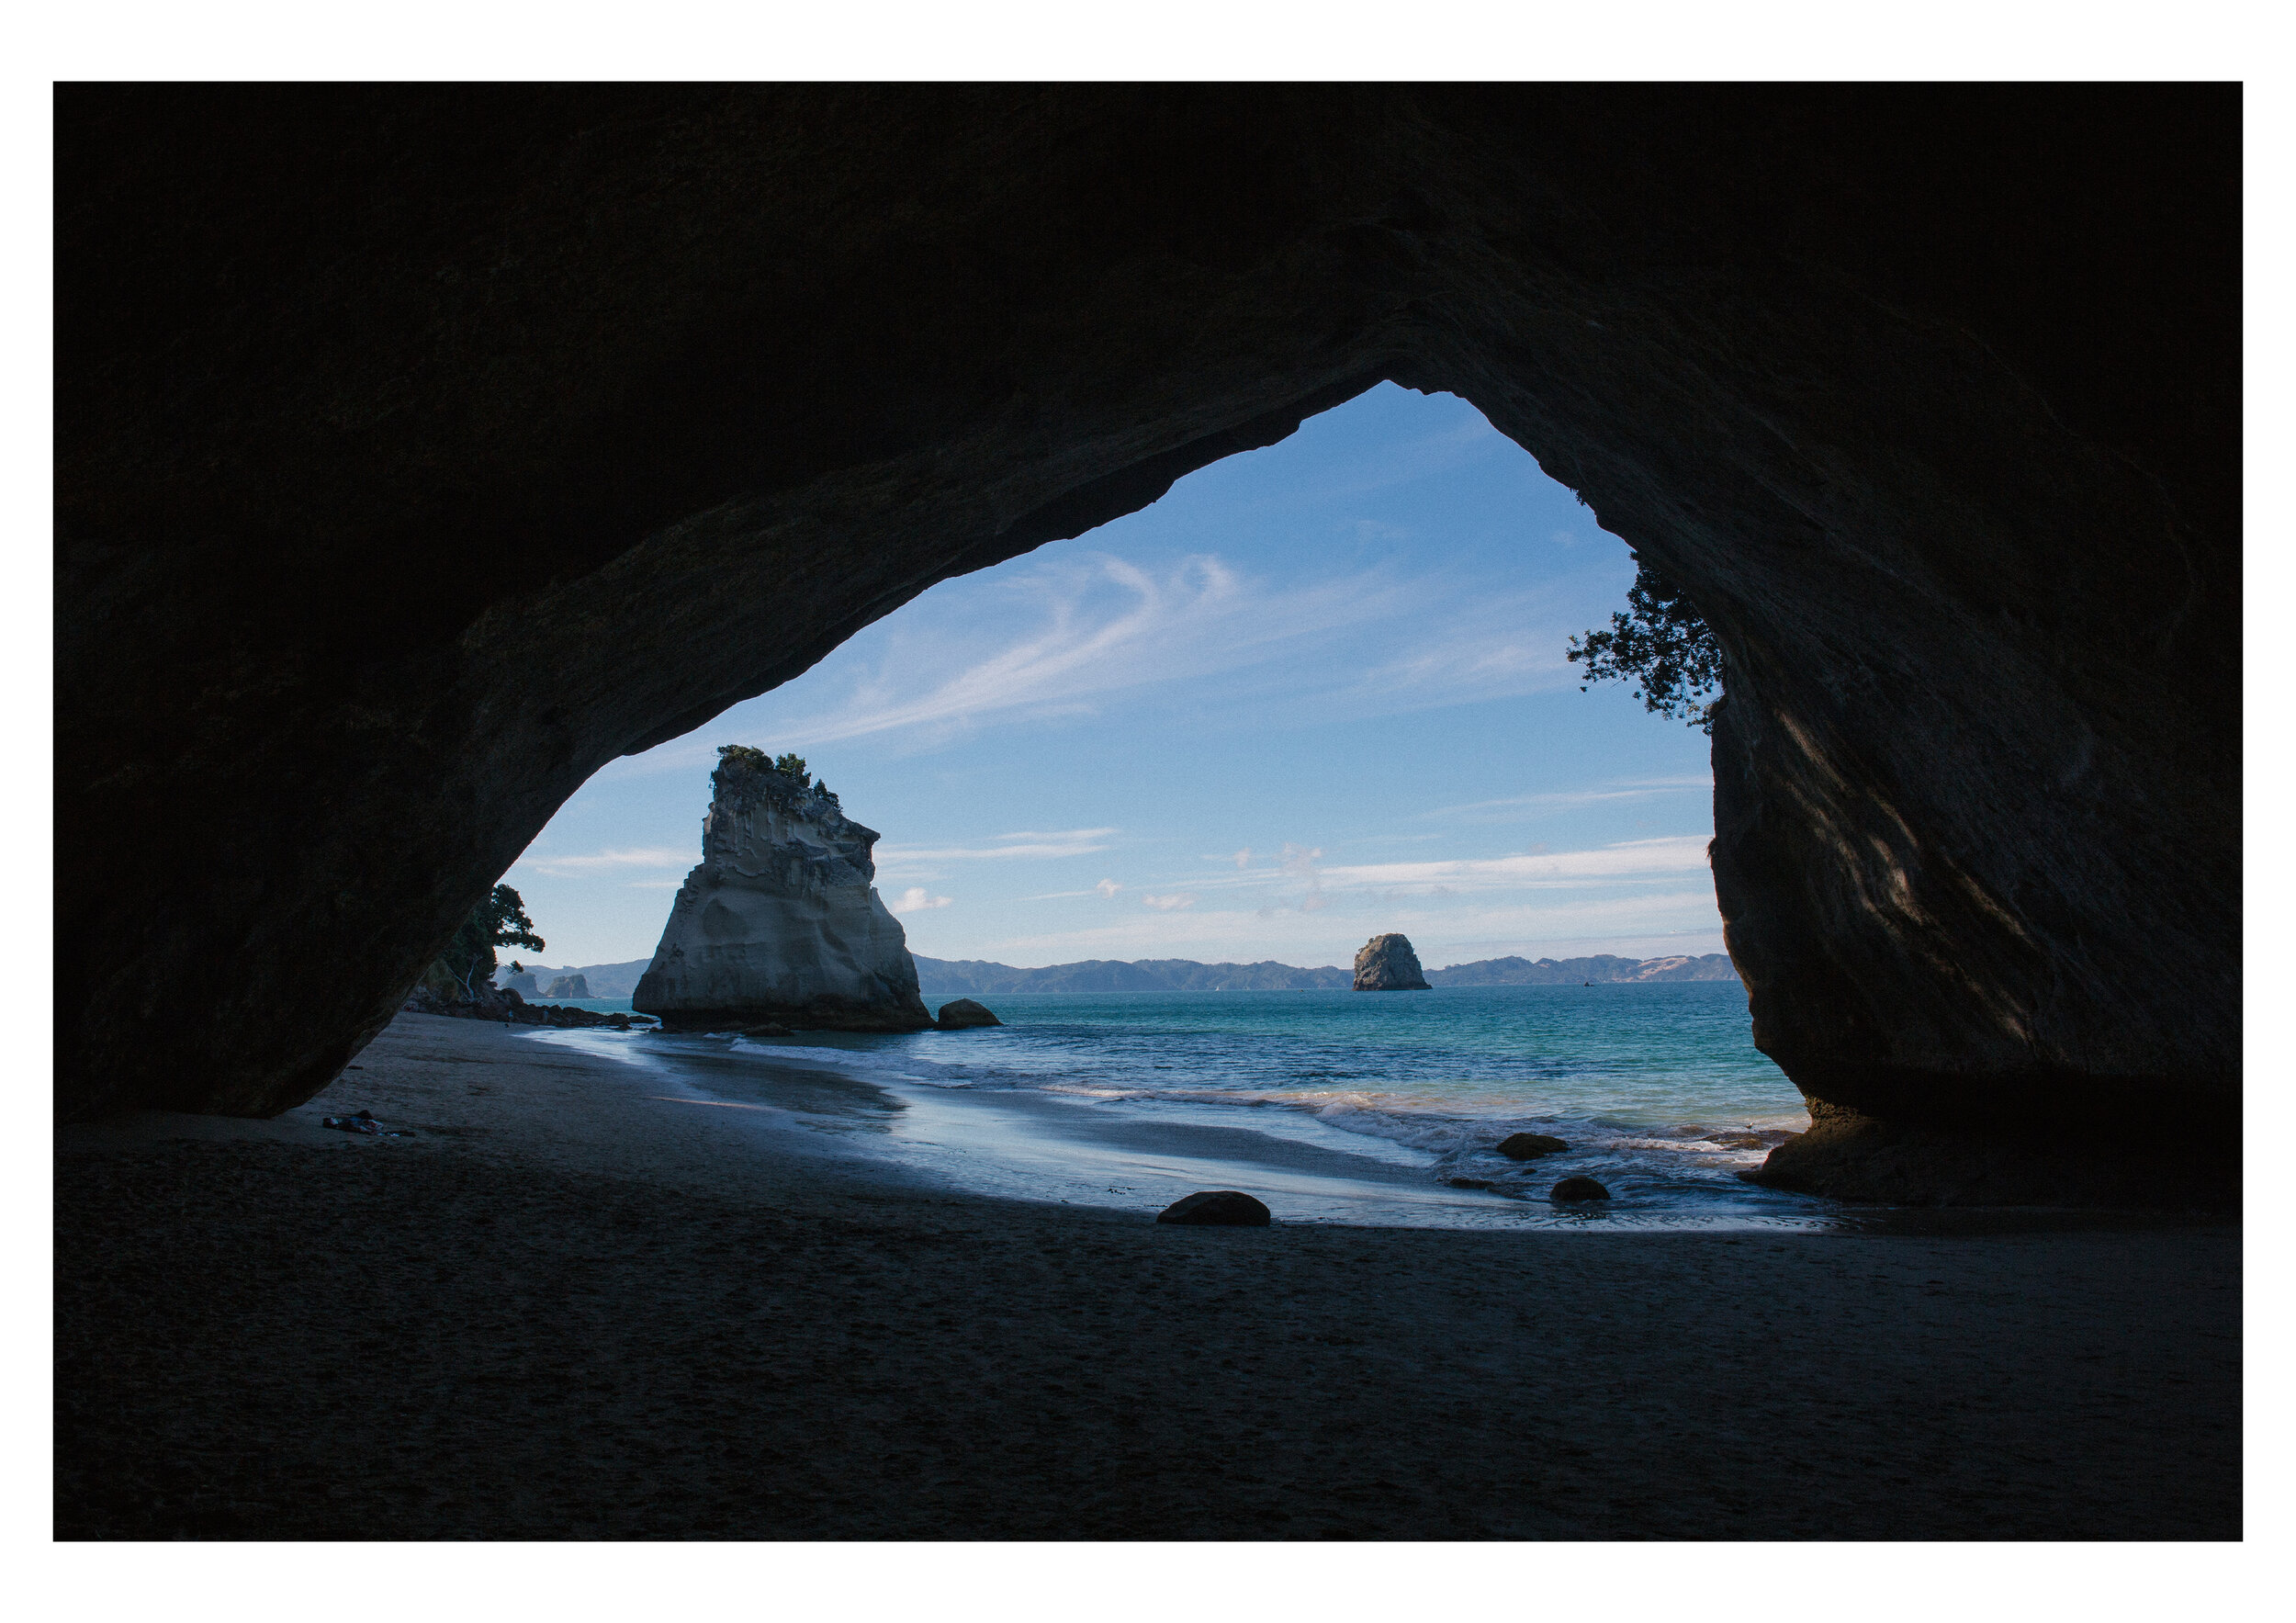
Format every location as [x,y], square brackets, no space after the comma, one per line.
[579,1305]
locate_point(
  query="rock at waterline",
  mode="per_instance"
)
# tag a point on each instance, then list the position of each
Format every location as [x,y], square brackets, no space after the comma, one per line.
[1470,1183]
[1387,964]
[568,985]
[964,1014]
[1578,1188]
[1224,1208]
[1529,1146]
[781,921]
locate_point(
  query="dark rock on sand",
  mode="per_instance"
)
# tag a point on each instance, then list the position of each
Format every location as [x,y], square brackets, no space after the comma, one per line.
[1578,1188]
[1468,1183]
[964,1014]
[1387,964]
[1529,1146]
[1224,1208]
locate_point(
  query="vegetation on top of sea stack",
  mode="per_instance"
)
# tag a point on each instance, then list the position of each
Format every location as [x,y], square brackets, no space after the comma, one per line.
[746,758]
[1662,643]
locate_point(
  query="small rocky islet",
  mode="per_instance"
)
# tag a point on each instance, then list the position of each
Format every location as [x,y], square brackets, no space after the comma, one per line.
[1387,964]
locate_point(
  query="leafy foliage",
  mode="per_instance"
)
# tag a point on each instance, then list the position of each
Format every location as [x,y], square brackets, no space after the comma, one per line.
[758,760]
[499,921]
[1662,644]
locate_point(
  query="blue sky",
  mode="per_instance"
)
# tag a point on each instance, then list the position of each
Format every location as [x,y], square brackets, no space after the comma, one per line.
[1316,693]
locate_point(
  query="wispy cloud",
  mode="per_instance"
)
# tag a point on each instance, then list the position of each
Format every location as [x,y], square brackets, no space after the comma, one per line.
[915,900]
[1298,860]
[1101,624]
[1107,888]
[1068,842]
[582,867]
[1171,903]
[1301,884]
[1627,859]
[1615,789]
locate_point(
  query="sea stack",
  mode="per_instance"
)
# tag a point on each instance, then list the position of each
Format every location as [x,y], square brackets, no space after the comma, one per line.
[1387,964]
[781,923]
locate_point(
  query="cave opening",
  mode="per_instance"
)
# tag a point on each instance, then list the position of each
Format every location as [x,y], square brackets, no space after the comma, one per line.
[1351,641]
[386,520]
[1315,693]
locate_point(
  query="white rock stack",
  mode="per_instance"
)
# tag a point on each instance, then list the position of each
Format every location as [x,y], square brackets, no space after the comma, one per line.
[781,924]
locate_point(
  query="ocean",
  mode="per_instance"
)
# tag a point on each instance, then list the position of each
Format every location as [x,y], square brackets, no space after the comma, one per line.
[1330,1106]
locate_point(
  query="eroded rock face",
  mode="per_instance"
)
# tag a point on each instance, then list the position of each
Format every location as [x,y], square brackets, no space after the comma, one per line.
[781,922]
[1387,964]
[1928,397]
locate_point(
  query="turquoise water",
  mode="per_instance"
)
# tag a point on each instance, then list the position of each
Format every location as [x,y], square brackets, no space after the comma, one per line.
[1657,1089]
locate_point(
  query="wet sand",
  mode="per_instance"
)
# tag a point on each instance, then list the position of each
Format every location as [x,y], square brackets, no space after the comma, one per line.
[579,1305]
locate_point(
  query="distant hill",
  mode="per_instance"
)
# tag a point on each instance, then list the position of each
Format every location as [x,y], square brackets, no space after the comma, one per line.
[1603,970]
[974,977]
[606,980]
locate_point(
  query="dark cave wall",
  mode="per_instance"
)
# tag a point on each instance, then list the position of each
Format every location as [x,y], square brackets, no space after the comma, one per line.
[1930,397]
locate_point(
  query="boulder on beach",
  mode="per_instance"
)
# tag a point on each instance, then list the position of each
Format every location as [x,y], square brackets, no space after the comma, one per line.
[1387,964]
[1221,1208]
[1529,1146]
[1578,1188]
[964,1014]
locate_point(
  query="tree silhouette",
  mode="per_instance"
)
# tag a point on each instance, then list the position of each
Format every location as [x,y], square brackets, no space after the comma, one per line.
[1662,644]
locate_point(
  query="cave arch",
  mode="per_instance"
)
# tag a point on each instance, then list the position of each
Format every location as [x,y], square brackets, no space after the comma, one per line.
[1928,395]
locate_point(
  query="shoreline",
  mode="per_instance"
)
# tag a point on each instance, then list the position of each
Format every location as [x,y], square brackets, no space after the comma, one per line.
[576,1307]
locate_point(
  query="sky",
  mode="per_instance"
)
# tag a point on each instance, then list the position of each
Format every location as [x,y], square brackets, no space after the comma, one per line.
[1315,693]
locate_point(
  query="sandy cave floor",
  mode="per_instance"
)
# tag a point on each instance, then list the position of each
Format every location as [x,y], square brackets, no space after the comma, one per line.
[567,1309]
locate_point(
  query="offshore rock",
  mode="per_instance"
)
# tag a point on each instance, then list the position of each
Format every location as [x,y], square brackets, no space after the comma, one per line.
[781,922]
[1387,964]
[1529,1146]
[964,1014]
[567,985]
[1578,1188]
